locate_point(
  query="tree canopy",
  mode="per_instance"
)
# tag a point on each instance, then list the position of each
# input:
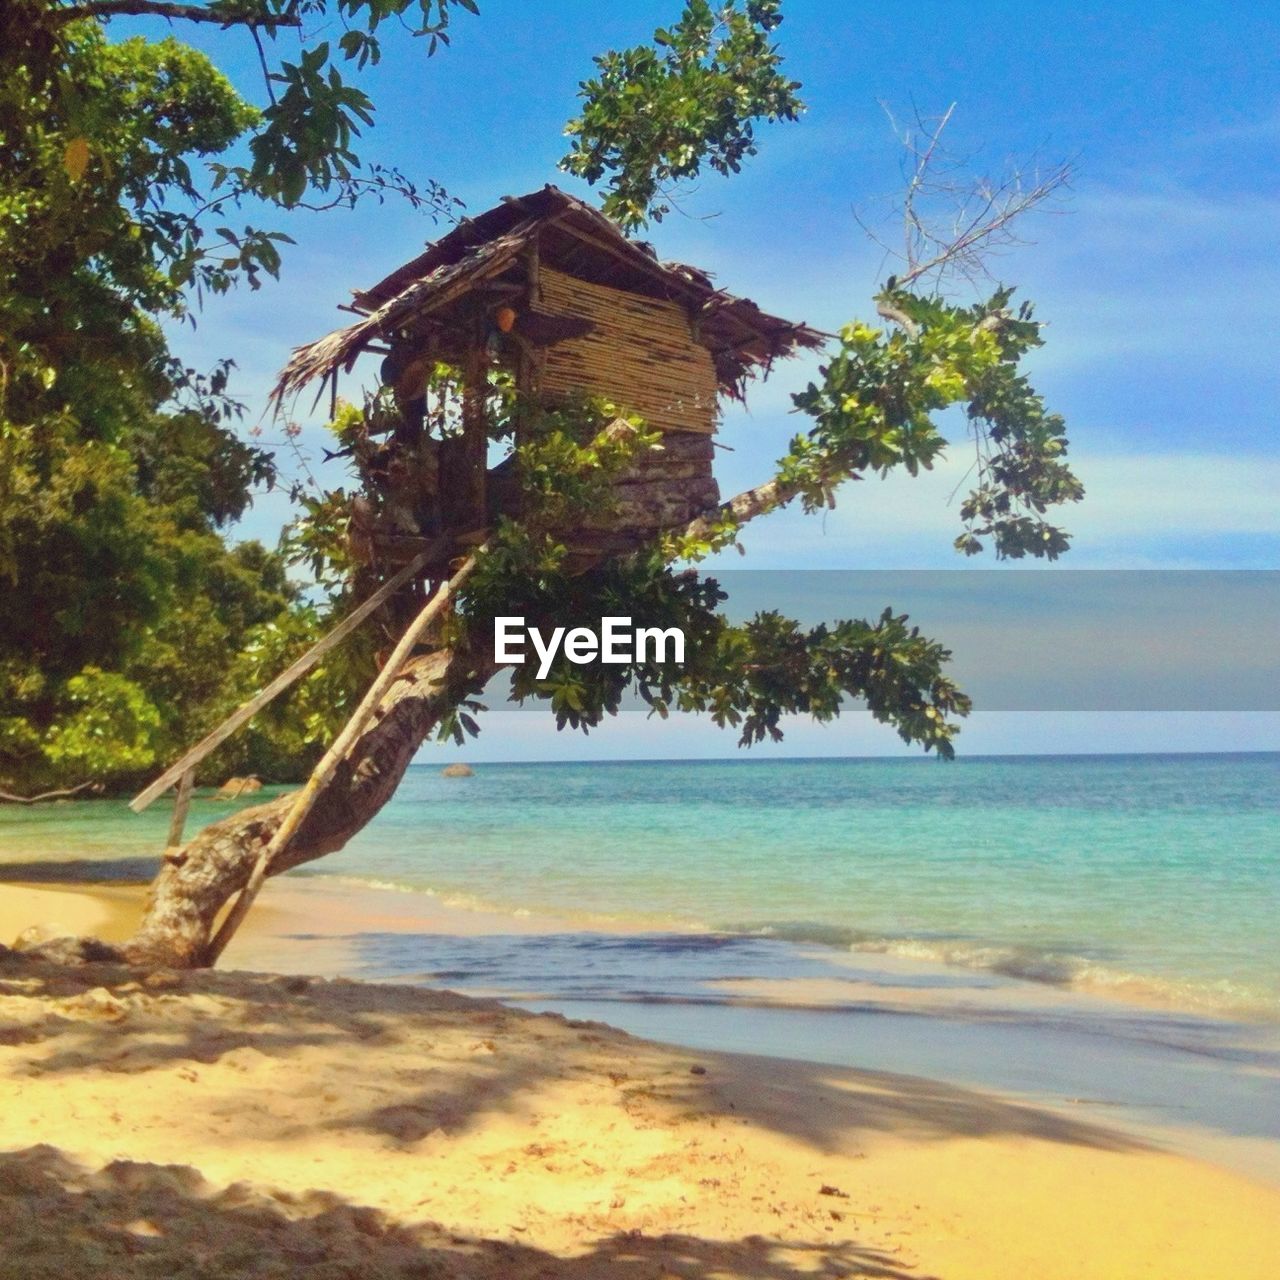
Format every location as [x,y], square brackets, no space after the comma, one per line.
[133,622]
[656,113]
[128,169]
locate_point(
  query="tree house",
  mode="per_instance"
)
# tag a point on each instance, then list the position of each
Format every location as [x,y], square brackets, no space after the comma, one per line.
[550,291]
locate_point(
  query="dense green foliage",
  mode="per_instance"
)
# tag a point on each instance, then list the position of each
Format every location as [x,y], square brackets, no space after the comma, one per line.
[656,113]
[130,625]
[873,411]
[744,675]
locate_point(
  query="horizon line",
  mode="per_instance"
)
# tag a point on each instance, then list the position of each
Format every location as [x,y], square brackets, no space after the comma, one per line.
[897,759]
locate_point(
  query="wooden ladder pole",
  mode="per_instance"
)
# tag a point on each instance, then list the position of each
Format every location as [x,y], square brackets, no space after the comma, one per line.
[181,803]
[278,685]
[475,434]
[305,800]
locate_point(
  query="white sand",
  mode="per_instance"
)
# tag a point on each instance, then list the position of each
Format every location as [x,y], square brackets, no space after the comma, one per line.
[222,1124]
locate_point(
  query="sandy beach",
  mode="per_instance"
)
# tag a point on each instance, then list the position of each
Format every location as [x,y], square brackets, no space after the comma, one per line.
[235,1124]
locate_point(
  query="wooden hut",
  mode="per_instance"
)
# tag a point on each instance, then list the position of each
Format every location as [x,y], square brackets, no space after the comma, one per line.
[551,290]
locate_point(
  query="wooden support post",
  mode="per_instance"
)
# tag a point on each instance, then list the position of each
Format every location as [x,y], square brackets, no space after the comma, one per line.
[527,360]
[533,266]
[279,684]
[475,433]
[181,803]
[305,800]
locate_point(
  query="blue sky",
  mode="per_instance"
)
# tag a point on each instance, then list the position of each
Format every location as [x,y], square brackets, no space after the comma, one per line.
[1160,281]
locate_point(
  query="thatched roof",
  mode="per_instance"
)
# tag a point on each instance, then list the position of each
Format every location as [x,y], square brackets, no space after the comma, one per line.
[579,240]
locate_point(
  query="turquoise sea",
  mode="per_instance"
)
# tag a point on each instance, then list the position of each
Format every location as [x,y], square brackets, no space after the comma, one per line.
[1153,876]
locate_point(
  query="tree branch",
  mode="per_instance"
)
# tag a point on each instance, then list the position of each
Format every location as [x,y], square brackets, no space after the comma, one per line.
[887,311]
[65,793]
[223,17]
[262,62]
[747,505]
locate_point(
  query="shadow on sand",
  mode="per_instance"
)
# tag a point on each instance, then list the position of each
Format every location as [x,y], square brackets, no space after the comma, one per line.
[81,871]
[58,1220]
[428,1083]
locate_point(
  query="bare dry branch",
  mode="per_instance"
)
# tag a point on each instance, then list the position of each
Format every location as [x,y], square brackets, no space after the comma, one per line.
[952,223]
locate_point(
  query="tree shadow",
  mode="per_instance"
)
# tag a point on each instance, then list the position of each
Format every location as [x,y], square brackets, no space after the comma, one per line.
[130,1219]
[430,1061]
[812,1102]
[90,1017]
[81,871]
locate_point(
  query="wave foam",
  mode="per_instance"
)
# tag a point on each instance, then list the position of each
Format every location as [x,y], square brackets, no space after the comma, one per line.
[1040,965]
[1060,969]
[1020,962]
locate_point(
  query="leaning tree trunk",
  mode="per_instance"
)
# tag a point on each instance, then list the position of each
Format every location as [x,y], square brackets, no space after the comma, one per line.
[197,880]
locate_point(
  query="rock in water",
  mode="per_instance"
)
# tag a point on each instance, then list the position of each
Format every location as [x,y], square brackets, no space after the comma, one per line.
[457,771]
[234,787]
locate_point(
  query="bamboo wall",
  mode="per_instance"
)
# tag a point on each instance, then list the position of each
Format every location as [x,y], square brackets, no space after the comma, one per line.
[641,354]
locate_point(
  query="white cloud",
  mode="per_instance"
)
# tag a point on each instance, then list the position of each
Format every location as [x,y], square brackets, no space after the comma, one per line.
[1162,272]
[1140,511]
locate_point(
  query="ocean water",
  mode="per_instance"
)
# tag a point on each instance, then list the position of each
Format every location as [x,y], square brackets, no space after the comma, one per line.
[1152,877]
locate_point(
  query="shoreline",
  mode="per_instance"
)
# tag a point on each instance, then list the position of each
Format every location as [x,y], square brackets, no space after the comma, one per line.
[202,1118]
[866,863]
[465,915]
[1136,1066]
[1047,972]
[186,1124]
[1079,1053]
